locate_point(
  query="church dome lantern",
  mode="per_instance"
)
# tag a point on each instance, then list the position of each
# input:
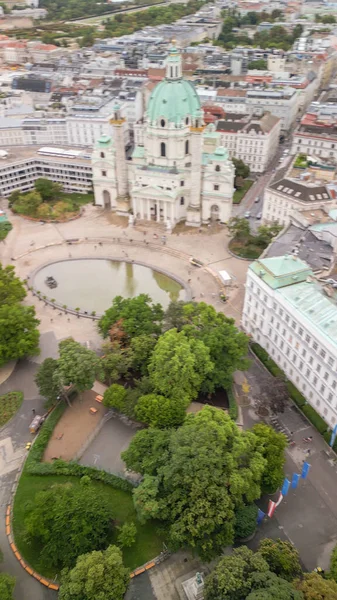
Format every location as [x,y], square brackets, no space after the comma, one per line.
[174,101]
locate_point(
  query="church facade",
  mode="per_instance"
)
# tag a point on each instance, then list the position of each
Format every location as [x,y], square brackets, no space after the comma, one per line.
[177,172]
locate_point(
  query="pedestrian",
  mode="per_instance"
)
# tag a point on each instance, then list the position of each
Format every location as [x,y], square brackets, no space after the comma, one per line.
[34,411]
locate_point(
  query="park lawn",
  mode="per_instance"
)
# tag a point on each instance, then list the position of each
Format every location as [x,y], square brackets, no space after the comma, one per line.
[241,192]
[76,199]
[148,543]
[9,405]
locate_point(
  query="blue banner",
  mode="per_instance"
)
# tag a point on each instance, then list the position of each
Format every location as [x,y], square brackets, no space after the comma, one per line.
[305,470]
[333,436]
[294,481]
[260,516]
[285,487]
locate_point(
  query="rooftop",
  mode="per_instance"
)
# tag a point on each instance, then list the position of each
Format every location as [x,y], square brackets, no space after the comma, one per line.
[301,190]
[281,271]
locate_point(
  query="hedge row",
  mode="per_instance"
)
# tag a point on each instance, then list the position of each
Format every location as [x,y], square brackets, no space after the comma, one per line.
[233,407]
[35,466]
[266,360]
[294,394]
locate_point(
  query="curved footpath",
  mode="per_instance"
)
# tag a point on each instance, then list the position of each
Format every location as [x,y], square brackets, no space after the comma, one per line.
[13,438]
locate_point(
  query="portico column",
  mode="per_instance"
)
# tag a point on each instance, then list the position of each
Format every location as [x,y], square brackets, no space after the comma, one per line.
[165,211]
[158,212]
[148,211]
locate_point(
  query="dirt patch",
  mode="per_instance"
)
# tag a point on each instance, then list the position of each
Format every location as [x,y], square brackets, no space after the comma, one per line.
[74,427]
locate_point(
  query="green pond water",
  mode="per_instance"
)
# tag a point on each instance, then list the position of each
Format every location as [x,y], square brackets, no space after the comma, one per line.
[91,284]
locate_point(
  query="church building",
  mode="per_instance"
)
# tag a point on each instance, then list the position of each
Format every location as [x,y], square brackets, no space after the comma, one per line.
[177,172]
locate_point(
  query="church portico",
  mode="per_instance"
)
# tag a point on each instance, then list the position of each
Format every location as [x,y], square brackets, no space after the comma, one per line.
[174,174]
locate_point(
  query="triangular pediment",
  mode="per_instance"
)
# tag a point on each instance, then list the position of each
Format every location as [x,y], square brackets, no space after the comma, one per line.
[218,178]
[153,190]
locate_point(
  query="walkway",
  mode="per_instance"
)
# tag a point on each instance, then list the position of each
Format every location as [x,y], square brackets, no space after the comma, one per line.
[308,515]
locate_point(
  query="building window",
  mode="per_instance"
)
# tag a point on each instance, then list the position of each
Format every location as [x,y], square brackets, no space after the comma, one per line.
[162,149]
[300,366]
[304,352]
[311,360]
[307,338]
[334,385]
[318,368]
[103,173]
[216,188]
[217,168]
[315,346]
[314,381]
[182,201]
[326,376]
[182,183]
[322,389]
[187,147]
[330,397]
[102,155]
[330,361]
[162,123]
[323,353]
[280,312]
[307,374]
[287,318]
[187,120]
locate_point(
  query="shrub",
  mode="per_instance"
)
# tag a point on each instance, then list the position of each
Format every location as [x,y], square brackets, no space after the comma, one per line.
[333,564]
[233,407]
[315,418]
[245,521]
[295,395]
[266,360]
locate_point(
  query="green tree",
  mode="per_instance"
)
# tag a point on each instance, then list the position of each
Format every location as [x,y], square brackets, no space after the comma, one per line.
[13,197]
[266,233]
[160,412]
[127,535]
[175,315]
[48,381]
[267,586]
[245,521]
[115,396]
[241,169]
[78,365]
[333,564]
[28,204]
[259,65]
[142,348]
[47,189]
[5,228]
[87,40]
[11,287]
[314,587]
[7,585]
[227,346]
[184,475]
[116,361]
[179,365]
[139,316]
[96,576]
[148,451]
[239,228]
[282,557]
[19,335]
[44,211]
[233,576]
[66,521]
[272,447]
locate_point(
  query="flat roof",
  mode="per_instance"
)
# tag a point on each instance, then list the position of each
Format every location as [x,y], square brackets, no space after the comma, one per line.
[16,154]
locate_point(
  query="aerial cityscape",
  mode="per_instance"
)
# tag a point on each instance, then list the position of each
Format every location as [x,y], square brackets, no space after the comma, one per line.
[168,300]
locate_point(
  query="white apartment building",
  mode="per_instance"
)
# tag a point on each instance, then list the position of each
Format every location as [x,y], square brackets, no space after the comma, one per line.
[294,318]
[286,196]
[316,141]
[20,169]
[11,132]
[253,140]
[283,103]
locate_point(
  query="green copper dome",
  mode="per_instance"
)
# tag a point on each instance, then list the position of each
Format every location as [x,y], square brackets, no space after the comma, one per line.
[173,100]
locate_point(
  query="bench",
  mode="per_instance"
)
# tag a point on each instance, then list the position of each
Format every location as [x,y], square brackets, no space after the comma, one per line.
[99,398]
[93,410]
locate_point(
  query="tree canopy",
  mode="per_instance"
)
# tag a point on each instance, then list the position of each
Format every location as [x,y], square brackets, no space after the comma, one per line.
[157,411]
[272,447]
[78,365]
[11,287]
[7,585]
[179,365]
[66,521]
[138,315]
[184,473]
[314,587]
[18,332]
[99,575]
[47,189]
[282,557]
[245,575]
[48,381]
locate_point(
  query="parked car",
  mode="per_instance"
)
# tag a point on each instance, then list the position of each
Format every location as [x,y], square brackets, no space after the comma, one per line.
[259,215]
[257,199]
[247,214]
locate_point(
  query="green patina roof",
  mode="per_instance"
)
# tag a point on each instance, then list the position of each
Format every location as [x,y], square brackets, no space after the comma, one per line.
[312,303]
[104,140]
[281,271]
[138,152]
[173,100]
